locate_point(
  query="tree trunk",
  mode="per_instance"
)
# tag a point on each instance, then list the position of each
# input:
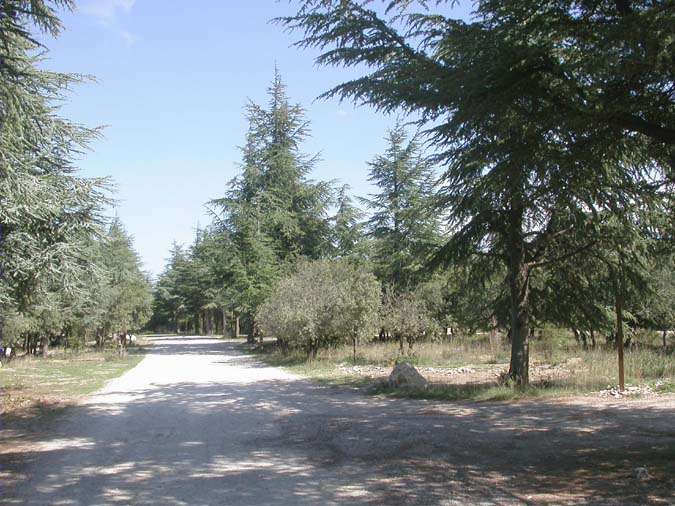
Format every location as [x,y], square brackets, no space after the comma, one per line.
[619,333]
[224,322]
[312,350]
[519,288]
[592,332]
[236,326]
[664,336]
[251,334]
[45,345]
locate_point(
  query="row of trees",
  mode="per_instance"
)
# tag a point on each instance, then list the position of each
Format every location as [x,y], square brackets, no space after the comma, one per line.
[273,218]
[554,125]
[552,128]
[66,273]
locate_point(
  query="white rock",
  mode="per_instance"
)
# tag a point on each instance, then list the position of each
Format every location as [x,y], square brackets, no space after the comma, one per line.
[642,474]
[405,375]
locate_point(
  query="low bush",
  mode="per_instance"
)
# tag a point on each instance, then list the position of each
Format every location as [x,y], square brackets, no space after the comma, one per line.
[405,317]
[326,302]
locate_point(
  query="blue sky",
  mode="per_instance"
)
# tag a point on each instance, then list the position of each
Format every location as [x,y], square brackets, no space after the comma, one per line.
[172,80]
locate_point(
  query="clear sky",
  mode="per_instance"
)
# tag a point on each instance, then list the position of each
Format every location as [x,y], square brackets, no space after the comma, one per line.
[172,80]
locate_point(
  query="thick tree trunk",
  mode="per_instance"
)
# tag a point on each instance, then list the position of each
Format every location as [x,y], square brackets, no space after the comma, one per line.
[592,332]
[519,288]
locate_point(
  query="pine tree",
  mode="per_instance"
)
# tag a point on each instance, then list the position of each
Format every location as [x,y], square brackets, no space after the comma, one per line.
[403,224]
[168,304]
[272,214]
[294,208]
[348,231]
[543,114]
[47,211]
[127,297]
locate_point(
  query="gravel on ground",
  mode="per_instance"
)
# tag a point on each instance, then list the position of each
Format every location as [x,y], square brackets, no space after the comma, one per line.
[199,422]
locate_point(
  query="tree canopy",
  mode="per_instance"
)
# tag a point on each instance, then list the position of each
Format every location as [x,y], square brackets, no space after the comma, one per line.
[539,140]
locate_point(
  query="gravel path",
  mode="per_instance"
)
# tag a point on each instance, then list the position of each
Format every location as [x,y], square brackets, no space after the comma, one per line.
[198,422]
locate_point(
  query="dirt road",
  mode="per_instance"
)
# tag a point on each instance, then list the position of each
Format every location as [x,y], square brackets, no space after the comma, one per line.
[198,422]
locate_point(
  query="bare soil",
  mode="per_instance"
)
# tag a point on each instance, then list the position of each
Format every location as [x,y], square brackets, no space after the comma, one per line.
[198,422]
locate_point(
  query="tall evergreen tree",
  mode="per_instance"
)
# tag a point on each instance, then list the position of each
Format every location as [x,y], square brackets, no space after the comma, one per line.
[403,222]
[47,211]
[273,214]
[127,302]
[168,303]
[348,230]
[292,209]
[538,139]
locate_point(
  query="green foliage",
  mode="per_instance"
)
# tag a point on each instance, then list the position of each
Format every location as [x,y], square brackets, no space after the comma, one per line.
[126,298]
[406,318]
[402,224]
[657,310]
[552,121]
[272,214]
[62,279]
[326,302]
[47,211]
[348,231]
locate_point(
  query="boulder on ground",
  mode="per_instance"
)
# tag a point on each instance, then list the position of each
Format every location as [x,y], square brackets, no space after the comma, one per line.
[642,474]
[405,375]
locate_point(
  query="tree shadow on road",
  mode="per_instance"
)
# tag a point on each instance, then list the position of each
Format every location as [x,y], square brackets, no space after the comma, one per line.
[295,442]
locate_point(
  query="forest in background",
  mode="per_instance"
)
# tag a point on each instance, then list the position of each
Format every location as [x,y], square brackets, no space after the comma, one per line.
[68,273]
[532,187]
[316,267]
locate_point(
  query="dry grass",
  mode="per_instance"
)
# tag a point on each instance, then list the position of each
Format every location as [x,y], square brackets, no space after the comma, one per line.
[60,378]
[558,368]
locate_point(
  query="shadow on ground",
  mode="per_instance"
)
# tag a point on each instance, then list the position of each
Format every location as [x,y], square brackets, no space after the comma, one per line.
[294,442]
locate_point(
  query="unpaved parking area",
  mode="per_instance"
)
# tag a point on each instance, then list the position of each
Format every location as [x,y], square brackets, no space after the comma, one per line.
[198,422]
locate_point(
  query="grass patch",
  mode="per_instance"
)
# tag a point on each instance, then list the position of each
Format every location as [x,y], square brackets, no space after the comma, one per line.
[62,377]
[558,368]
[470,392]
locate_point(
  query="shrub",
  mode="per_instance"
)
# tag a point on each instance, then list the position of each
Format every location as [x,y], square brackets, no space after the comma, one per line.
[326,302]
[406,318]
